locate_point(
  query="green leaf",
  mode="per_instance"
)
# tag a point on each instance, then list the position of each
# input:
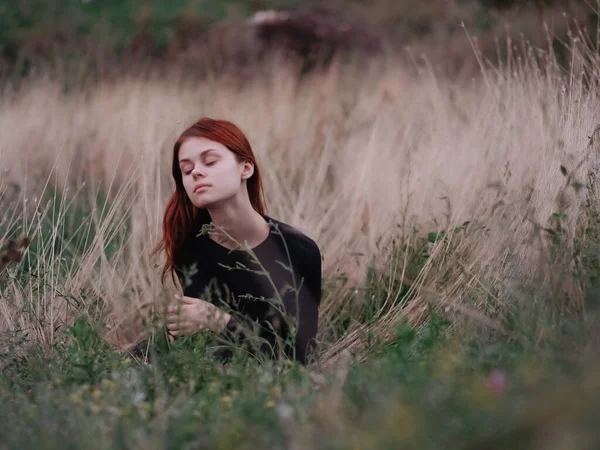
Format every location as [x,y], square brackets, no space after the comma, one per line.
[435,236]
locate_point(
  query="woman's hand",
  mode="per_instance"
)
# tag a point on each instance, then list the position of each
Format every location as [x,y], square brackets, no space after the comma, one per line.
[191,315]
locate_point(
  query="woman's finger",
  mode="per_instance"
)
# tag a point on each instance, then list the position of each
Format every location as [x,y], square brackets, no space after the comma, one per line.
[180,325]
[173,317]
[178,306]
[189,300]
[179,299]
[177,319]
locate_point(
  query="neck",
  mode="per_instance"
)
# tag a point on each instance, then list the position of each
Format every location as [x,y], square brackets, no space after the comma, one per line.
[236,222]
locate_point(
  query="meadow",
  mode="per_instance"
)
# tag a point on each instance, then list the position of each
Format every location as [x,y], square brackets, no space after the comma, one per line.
[458,224]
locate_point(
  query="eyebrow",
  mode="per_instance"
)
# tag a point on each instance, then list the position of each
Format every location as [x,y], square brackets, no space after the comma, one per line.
[203,152]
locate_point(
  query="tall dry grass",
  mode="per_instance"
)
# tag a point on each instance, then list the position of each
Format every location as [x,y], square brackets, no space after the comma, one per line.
[356,160]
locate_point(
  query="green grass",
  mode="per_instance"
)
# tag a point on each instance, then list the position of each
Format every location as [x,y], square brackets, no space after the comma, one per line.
[114,22]
[425,389]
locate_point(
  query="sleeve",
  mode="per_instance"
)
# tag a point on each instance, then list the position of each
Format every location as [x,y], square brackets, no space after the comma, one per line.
[239,333]
[235,330]
[304,344]
[310,299]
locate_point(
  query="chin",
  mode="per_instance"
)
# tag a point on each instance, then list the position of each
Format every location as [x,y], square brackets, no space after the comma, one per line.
[202,204]
[204,201]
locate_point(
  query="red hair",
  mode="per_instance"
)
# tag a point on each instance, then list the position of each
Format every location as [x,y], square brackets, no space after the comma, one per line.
[181,216]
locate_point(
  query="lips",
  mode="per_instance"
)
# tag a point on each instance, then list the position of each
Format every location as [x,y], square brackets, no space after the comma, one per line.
[201,186]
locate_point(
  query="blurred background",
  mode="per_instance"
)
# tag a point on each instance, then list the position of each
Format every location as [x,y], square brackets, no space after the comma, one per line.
[106,37]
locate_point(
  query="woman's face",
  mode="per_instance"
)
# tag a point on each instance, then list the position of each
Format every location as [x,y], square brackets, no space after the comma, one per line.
[211,173]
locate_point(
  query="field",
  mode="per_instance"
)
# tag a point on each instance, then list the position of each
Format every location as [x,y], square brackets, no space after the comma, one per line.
[458,224]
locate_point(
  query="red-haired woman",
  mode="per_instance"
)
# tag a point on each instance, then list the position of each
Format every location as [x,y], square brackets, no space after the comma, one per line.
[245,276]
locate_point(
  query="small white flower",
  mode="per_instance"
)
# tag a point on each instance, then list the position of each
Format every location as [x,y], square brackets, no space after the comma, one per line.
[285,411]
[139,396]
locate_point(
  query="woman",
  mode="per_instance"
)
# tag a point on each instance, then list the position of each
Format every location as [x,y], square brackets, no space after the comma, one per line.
[245,276]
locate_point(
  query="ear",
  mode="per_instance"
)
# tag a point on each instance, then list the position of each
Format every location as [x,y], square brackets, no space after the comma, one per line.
[247,169]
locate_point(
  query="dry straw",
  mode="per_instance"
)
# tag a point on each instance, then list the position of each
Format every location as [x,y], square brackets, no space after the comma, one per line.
[363,164]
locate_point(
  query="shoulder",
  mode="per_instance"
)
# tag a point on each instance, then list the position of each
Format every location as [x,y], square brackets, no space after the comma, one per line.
[296,240]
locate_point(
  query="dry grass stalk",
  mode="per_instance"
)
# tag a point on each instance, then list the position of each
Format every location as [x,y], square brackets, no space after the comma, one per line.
[355,165]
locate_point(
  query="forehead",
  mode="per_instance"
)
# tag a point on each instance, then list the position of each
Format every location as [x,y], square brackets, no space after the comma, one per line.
[192,148]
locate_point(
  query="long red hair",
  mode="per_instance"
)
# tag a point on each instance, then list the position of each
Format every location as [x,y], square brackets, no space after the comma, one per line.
[181,216]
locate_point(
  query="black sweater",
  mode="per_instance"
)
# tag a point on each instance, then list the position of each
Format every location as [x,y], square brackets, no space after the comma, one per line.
[279,311]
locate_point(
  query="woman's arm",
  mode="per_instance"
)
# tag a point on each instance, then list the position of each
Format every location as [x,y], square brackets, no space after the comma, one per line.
[308,304]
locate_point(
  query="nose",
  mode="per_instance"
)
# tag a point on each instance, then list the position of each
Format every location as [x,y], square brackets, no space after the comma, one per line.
[197,172]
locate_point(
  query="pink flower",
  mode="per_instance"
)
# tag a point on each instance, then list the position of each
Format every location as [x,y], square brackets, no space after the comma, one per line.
[496,381]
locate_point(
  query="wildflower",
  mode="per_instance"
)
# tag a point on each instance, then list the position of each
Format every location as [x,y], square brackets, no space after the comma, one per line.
[75,397]
[144,408]
[496,381]
[285,411]
[276,391]
[97,394]
[108,384]
[270,404]
[138,396]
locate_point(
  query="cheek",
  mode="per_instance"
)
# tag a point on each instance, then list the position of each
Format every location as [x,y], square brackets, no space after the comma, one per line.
[229,176]
[222,180]
[188,184]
